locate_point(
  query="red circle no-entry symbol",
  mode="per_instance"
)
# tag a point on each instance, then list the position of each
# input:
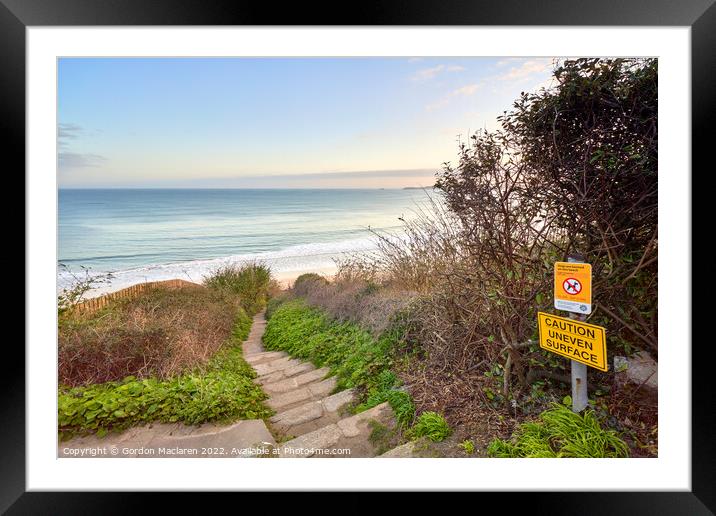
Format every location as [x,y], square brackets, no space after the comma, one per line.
[572,286]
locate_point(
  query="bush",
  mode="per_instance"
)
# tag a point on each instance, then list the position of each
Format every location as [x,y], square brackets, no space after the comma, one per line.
[354,298]
[160,332]
[222,391]
[431,425]
[309,277]
[559,432]
[251,283]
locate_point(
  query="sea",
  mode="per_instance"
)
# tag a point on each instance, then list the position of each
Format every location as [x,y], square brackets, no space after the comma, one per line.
[129,236]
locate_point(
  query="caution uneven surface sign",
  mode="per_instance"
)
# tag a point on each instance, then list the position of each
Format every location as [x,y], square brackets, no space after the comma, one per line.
[573,287]
[576,340]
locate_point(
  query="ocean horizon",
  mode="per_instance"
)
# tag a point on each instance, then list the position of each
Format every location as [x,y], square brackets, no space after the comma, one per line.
[152,234]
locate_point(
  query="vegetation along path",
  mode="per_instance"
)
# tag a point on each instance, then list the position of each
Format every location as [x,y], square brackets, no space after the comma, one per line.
[311,419]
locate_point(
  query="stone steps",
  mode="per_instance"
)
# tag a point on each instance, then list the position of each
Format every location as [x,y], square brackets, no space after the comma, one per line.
[311,392]
[312,415]
[350,433]
[308,413]
[294,382]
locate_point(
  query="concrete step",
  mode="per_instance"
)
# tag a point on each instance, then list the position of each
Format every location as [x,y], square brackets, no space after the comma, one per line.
[349,437]
[264,356]
[277,365]
[243,439]
[292,383]
[312,391]
[276,376]
[312,415]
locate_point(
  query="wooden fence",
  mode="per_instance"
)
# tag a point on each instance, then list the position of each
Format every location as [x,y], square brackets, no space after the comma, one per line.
[95,303]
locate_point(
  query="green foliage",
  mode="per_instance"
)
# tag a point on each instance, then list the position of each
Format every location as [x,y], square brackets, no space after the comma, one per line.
[559,432]
[431,425]
[223,391]
[468,446]
[273,304]
[401,403]
[242,327]
[353,355]
[249,282]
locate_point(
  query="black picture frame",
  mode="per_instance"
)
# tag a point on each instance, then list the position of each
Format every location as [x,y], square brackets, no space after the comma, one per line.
[700,15]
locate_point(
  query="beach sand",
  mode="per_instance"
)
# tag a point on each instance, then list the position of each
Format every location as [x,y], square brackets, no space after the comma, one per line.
[285,279]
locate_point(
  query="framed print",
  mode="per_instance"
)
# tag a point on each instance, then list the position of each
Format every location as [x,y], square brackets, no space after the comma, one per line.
[447,246]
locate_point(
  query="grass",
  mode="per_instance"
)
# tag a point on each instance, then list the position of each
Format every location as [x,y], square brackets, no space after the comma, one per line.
[159,333]
[559,432]
[221,391]
[358,359]
[431,425]
[250,282]
[468,446]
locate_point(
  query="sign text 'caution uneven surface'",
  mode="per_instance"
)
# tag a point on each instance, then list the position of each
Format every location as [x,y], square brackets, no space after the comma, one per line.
[576,340]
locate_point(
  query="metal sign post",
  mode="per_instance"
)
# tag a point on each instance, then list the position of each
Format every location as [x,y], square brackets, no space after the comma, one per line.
[579,370]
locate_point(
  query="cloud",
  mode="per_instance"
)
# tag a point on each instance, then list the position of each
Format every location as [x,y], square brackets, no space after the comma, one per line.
[507,60]
[66,158]
[68,131]
[464,91]
[430,73]
[79,160]
[525,70]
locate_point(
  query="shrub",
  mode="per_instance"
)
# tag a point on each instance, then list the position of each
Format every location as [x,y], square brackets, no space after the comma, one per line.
[250,282]
[161,332]
[559,432]
[222,391]
[431,425]
[358,299]
[308,277]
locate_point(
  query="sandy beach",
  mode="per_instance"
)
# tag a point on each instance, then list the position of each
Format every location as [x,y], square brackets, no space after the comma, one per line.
[284,278]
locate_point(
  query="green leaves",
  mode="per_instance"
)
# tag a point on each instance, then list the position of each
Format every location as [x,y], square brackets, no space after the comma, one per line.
[431,425]
[354,356]
[224,391]
[559,432]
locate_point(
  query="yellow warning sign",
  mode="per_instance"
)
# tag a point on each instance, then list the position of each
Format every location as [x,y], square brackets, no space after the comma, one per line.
[576,340]
[573,287]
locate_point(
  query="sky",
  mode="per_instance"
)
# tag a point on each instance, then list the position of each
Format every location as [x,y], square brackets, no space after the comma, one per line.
[277,122]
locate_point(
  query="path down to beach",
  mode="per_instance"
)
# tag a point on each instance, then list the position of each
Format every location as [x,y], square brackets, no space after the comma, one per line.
[311,420]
